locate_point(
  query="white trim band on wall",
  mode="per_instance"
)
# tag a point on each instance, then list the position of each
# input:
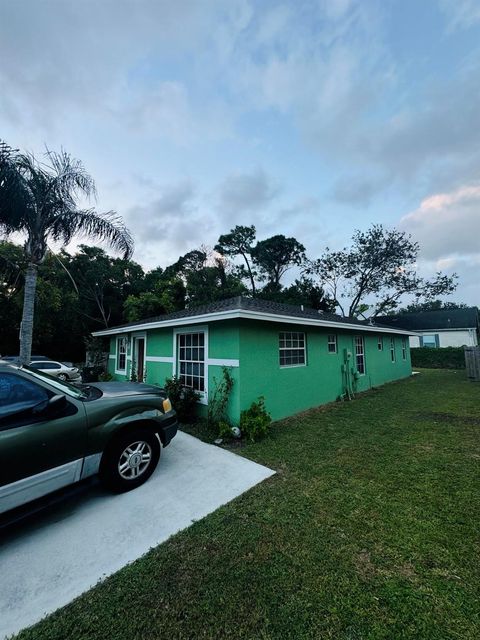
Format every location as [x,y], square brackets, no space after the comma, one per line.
[168,359]
[223,362]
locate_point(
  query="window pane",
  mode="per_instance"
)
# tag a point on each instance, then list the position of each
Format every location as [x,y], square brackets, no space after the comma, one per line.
[18,394]
[191,360]
[360,354]
[291,346]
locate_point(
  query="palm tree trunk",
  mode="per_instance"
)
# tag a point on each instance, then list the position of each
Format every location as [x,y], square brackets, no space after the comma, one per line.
[26,328]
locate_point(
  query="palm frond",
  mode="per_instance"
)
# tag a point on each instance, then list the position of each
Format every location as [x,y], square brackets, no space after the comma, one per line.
[88,223]
[13,193]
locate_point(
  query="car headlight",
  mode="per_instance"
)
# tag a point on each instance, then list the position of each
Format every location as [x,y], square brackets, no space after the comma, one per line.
[167,405]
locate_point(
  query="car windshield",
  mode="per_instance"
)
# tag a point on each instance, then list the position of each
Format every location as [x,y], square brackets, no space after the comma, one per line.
[64,387]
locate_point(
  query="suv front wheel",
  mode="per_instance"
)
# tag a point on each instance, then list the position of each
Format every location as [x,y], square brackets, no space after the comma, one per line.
[130,460]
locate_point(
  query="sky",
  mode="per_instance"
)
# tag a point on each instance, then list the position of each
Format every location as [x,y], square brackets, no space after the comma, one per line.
[310,118]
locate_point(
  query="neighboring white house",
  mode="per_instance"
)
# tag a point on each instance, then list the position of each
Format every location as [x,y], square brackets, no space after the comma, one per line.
[441,328]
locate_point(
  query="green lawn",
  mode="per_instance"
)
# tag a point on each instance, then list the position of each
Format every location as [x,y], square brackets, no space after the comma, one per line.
[369,529]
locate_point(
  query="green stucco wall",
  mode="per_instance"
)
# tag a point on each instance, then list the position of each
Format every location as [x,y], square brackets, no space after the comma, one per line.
[287,390]
[223,344]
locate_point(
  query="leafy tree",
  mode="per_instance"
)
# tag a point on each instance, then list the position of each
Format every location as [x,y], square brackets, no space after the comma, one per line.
[275,256]
[239,242]
[191,261]
[303,291]
[167,296]
[45,199]
[211,283]
[206,277]
[12,265]
[380,264]
[103,283]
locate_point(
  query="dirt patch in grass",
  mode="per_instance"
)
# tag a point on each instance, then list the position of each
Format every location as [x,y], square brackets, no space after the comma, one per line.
[364,565]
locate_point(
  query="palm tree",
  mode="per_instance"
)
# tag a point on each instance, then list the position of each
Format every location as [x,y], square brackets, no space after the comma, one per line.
[40,200]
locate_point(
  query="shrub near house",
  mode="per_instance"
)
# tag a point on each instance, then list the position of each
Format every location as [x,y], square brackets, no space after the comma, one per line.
[446,358]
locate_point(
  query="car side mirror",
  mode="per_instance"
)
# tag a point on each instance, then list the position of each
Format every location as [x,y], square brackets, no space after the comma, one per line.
[57,402]
[53,404]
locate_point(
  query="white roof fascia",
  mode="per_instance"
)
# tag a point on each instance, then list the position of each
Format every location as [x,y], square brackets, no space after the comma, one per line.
[420,331]
[251,315]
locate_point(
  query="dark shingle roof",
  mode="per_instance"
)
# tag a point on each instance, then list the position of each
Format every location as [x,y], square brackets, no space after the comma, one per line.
[246,304]
[440,319]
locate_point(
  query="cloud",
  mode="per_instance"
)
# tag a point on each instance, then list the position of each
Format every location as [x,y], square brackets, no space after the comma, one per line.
[101,60]
[447,224]
[462,14]
[167,110]
[356,190]
[244,193]
[167,225]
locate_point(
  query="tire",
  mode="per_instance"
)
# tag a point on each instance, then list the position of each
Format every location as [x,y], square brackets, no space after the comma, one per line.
[63,377]
[123,466]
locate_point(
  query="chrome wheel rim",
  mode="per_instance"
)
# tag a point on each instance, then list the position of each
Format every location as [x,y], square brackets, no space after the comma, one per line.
[135,460]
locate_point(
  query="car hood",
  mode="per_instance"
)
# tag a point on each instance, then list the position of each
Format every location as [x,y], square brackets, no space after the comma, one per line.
[119,389]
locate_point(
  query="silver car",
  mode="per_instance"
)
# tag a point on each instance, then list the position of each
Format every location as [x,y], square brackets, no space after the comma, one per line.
[57,369]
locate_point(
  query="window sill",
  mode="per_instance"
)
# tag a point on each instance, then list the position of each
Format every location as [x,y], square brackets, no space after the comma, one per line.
[292,366]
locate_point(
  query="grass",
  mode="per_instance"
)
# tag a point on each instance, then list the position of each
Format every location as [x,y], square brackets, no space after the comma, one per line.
[368,530]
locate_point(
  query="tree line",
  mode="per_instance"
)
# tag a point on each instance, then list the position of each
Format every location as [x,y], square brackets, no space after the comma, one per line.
[89,290]
[72,295]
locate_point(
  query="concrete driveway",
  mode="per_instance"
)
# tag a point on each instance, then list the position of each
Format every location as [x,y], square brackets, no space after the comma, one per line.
[52,559]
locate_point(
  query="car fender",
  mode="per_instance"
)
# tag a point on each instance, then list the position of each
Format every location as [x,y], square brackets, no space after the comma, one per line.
[100,435]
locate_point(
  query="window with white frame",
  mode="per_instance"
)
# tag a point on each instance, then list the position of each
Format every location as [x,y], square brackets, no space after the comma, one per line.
[121,354]
[291,346]
[404,348]
[380,343]
[191,360]
[392,349]
[332,343]
[360,354]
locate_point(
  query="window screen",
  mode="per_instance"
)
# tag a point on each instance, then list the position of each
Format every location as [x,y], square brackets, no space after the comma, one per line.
[191,360]
[332,343]
[360,354]
[392,349]
[121,354]
[291,348]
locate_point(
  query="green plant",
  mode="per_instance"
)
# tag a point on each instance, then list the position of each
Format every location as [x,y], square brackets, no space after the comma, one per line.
[224,429]
[184,399]
[444,358]
[133,372]
[105,377]
[218,400]
[255,421]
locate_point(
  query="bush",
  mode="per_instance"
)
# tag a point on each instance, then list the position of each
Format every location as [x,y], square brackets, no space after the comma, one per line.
[184,399]
[92,373]
[442,358]
[218,401]
[255,422]
[105,377]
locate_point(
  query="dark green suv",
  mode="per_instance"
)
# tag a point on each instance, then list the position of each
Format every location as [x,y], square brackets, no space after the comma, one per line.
[53,434]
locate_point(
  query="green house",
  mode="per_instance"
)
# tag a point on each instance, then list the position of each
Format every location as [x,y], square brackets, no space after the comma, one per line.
[295,358]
